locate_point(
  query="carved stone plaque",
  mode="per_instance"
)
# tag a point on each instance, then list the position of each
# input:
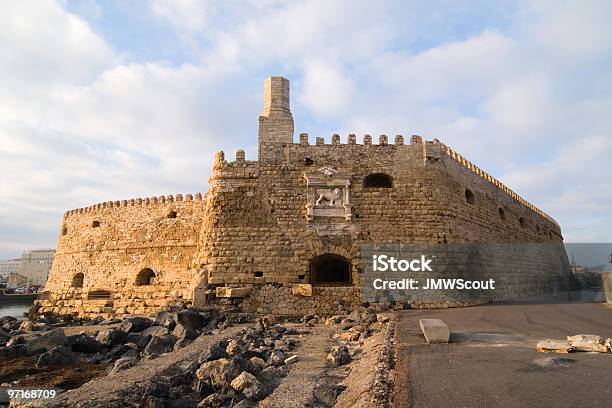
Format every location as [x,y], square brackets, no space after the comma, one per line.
[328,208]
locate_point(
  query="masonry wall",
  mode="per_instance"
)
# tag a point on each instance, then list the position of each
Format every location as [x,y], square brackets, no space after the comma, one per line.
[256,230]
[110,243]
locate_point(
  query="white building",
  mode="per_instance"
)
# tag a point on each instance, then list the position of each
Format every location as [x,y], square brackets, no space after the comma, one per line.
[31,269]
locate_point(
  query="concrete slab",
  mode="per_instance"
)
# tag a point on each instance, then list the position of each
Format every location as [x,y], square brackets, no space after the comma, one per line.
[435,330]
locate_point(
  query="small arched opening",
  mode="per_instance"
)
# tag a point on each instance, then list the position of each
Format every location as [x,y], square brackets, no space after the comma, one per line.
[95,224]
[378,180]
[172,214]
[145,277]
[502,213]
[330,269]
[469,196]
[522,222]
[77,280]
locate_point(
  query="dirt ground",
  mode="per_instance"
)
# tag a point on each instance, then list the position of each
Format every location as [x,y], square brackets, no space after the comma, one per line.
[492,359]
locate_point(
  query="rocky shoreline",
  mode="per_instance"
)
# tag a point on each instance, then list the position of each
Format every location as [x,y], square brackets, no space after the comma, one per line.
[240,367]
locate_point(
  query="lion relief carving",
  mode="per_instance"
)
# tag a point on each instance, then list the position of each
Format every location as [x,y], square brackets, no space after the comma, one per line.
[328,196]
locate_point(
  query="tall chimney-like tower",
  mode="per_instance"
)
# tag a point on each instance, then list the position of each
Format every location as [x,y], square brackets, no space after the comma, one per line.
[276,120]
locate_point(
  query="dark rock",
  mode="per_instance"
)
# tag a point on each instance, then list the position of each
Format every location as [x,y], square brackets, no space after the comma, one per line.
[327,394]
[245,403]
[165,319]
[4,336]
[213,352]
[257,392]
[155,331]
[111,337]
[135,324]
[7,319]
[140,339]
[18,350]
[46,341]
[182,402]
[14,340]
[152,402]
[123,364]
[116,352]
[204,388]
[82,343]
[181,343]
[109,321]
[215,400]
[160,345]
[130,354]
[57,356]
[157,389]
[277,358]
[339,356]
[192,320]
[182,331]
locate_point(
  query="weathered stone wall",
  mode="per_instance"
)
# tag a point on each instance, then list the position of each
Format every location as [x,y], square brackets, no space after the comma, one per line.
[110,243]
[260,224]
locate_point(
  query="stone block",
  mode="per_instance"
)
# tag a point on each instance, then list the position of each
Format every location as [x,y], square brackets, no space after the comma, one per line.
[435,330]
[302,289]
[225,292]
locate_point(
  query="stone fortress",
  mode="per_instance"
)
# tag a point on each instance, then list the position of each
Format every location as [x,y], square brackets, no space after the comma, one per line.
[283,234]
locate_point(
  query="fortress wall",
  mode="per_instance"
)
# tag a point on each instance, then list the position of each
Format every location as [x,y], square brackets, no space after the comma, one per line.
[110,243]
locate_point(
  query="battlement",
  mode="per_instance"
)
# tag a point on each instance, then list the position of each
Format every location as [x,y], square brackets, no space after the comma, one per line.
[486,176]
[135,202]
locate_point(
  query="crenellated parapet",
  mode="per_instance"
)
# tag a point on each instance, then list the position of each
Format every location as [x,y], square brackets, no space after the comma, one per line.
[486,176]
[135,202]
[351,140]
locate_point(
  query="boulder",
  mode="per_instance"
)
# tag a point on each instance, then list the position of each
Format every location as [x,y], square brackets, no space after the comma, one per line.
[435,330]
[46,341]
[155,331]
[244,380]
[83,343]
[234,347]
[135,324]
[204,388]
[190,319]
[160,345]
[268,320]
[27,325]
[213,352]
[57,356]
[277,358]
[7,319]
[165,319]
[554,346]
[257,392]
[17,350]
[139,339]
[587,342]
[339,355]
[259,362]
[4,336]
[123,364]
[184,332]
[111,337]
[211,369]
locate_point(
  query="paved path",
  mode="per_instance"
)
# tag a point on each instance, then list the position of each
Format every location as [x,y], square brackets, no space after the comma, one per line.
[490,362]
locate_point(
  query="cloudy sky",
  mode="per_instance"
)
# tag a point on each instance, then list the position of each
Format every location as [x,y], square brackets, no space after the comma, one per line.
[119,99]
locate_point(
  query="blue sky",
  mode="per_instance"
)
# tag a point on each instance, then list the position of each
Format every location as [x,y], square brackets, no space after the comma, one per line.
[114,100]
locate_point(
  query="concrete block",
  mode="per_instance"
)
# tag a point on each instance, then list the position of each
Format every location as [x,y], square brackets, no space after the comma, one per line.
[224,292]
[435,330]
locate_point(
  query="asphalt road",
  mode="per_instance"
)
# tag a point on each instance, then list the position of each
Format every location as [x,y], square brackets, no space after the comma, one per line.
[492,359]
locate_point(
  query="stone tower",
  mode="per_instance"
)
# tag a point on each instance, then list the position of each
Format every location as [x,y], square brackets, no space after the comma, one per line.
[276,120]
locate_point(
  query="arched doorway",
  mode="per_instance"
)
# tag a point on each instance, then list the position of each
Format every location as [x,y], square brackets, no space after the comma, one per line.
[330,269]
[145,277]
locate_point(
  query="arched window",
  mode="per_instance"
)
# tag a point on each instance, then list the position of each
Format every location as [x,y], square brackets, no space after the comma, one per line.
[522,222]
[64,230]
[145,277]
[502,214]
[95,224]
[172,214]
[77,280]
[380,180]
[469,196]
[330,269]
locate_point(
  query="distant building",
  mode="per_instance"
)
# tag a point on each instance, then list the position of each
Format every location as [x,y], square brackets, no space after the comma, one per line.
[31,269]
[9,266]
